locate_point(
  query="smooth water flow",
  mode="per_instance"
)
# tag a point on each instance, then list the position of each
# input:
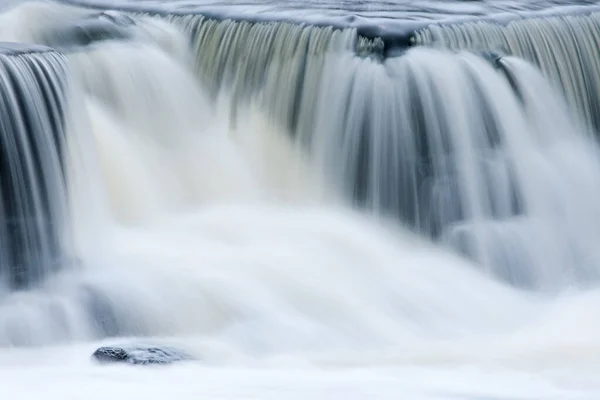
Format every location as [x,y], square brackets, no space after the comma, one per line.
[460,155]
[33,199]
[464,154]
[292,194]
[565,49]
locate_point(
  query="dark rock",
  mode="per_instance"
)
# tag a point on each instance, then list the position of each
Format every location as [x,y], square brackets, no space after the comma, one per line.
[110,354]
[78,34]
[140,355]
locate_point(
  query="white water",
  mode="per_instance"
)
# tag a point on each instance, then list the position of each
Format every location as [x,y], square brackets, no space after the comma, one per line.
[229,244]
[569,62]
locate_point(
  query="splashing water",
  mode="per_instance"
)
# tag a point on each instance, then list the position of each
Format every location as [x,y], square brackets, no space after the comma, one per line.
[291,196]
[407,140]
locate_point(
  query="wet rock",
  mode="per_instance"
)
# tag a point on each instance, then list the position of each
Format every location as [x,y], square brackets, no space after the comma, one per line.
[78,34]
[140,355]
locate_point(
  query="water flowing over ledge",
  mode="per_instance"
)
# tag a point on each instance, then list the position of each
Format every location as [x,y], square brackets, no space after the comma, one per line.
[388,29]
[393,21]
[33,81]
[314,214]
[233,179]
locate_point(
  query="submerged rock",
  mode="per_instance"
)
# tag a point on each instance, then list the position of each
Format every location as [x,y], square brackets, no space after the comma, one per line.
[140,355]
[78,34]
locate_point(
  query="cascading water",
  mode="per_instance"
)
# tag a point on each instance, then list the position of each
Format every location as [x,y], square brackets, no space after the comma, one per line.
[387,135]
[281,61]
[565,48]
[281,193]
[460,155]
[32,206]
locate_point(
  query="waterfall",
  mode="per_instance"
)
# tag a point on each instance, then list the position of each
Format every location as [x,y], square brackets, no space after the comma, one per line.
[387,135]
[215,151]
[34,84]
[274,64]
[459,155]
[565,48]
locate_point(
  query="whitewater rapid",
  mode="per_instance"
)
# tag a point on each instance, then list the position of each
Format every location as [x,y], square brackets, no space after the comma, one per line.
[229,241]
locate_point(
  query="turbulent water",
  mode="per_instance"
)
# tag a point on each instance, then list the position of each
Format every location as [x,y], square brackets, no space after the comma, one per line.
[307,215]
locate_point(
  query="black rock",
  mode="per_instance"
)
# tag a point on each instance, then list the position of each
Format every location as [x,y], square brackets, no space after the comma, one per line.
[139,355]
